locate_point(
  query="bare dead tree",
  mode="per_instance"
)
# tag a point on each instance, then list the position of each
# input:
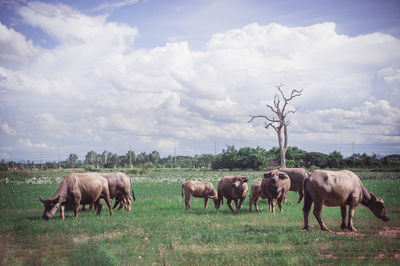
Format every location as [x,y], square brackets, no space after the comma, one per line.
[279,122]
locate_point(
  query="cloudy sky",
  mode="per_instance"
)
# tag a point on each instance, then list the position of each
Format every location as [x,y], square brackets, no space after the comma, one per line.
[155,75]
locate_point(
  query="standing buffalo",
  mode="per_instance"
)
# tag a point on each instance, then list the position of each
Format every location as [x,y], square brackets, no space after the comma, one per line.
[256,192]
[75,189]
[232,188]
[297,177]
[274,186]
[119,185]
[339,188]
[199,189]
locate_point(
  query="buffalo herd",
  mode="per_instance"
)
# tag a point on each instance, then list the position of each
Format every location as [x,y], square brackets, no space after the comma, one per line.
[329,188]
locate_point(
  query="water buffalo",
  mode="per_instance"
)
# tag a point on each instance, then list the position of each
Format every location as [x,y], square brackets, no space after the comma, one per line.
[297,176]
[232,188]
[199,189]
[119,185]
[75,189]
[275,186]
[256,192]
[339,188]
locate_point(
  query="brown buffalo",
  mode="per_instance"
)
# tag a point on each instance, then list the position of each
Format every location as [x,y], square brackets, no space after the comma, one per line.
[232,188]
[339,188]
[119,185]
[199,189]
[75,189]
[256,193]
[275,186]
[297,176]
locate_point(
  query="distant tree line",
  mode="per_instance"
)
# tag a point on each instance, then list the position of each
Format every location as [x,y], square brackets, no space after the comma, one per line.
[230,158]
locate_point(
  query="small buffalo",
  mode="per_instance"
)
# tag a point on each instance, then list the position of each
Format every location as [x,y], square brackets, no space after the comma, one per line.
[339,188]
[297,177]
[75,189]
[199,189]
[119,185]
[256,193]
[232,188]
[275,186]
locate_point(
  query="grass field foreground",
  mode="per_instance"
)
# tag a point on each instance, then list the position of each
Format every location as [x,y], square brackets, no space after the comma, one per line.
[159,230]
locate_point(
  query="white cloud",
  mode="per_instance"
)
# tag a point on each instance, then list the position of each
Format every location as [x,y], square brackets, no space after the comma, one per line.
[14,47]
[25,143]
[6,129]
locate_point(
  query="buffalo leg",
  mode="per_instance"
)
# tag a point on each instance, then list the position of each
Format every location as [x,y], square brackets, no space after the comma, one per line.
[351,214]
[280,203]
[229,202]
[99,206]
[62,208]
[306,208]
[187,201]
[76,210]
[256,204]
[205,203]
[300,196]
[117,201]
[343,213]
[108,201]
[317,213]
[273,202]
[241,202]
[237,205]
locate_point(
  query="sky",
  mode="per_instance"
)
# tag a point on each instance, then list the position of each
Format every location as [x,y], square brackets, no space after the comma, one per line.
[144,75]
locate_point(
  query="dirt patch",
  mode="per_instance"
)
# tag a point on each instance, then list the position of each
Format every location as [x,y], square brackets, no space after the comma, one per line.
[389,231]
[85,238]
[349,233]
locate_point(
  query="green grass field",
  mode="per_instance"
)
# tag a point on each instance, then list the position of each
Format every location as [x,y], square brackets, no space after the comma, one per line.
[159,230]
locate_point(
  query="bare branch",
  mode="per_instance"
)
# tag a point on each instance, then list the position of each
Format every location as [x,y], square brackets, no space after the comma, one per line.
[273,120]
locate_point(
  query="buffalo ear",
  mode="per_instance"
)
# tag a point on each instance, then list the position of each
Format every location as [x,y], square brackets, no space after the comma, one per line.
[245,179]
[267,175]
[42,200]
[283,175]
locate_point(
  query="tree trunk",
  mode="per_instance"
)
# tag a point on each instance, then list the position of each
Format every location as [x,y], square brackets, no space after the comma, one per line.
[282,148]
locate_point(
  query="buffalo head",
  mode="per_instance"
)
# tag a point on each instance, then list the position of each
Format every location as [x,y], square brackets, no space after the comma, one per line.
[50,207]
[377,206]
[275,175]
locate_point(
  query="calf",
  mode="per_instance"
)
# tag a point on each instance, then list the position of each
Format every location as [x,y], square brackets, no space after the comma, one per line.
[199,189]
[274,186]
[339,188]
[75,189]
[256,193]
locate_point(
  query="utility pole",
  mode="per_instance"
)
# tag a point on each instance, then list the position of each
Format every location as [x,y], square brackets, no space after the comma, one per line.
[175,155]
[41,161]
[59,156]
[353,147]
[130,156]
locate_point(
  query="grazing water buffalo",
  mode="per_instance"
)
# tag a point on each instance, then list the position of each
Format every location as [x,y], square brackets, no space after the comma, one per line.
[339,188]
[75,189]
[256,192]
[232,188]
[297,176]
[274,186]
[119,185]
[199,189]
